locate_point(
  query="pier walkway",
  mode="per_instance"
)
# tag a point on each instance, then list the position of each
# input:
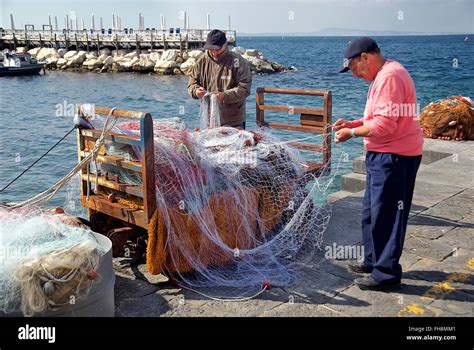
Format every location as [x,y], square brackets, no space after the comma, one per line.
[89,39]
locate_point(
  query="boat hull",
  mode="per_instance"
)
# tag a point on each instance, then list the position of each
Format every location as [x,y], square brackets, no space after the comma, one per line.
[14,71]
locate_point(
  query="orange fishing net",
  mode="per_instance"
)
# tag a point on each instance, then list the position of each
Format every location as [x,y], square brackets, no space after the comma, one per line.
[449,119]
[227,216]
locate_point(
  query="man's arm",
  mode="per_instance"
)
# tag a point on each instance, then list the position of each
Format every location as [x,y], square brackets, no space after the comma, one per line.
[244,83]
[342,123]
[356,123]
[194,82]
[346,133]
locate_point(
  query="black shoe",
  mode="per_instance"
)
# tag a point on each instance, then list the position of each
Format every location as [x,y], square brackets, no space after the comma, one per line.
[368,283]
[360,268]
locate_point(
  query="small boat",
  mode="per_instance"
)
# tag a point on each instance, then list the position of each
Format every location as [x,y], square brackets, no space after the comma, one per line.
[20,64]
[466,39]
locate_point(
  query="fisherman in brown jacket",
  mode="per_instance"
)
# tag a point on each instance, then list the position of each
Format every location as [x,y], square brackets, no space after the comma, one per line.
[224,73]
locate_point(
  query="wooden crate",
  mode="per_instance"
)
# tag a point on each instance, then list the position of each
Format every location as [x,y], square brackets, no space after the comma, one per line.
[145,193]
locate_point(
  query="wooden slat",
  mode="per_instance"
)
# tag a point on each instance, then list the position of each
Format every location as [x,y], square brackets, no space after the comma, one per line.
[312,167]
[117,161]
[116,210]
[327,137]
[121,113]
[292,109]
[312,120]
[260,101]
[114,137]
[294,127]
[292,91]
[306,146]
[89,143]
[148,168]
[80,147]
[130,189]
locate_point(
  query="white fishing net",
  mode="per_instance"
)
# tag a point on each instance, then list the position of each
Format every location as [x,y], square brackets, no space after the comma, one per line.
[47,259]
[209,113]
[235,208]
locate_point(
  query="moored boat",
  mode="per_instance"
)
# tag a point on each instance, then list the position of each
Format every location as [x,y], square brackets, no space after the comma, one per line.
[20,64]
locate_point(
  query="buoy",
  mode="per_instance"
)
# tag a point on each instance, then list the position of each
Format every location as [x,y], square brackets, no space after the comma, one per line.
[59,210]
[92,275]
[49,288]
[266,284]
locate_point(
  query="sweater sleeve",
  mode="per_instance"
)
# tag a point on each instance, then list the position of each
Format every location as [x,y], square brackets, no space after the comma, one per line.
[194,81]
[244,82]
[356,123]
[387,102]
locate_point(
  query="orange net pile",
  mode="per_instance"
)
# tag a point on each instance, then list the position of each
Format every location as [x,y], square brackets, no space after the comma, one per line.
[449,119]
[228,218]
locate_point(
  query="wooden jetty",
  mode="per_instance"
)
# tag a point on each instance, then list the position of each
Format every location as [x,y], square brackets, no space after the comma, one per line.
[127,38]
[75,36]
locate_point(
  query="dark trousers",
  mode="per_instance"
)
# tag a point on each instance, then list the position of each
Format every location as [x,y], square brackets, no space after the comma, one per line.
[242,126]
[387,201]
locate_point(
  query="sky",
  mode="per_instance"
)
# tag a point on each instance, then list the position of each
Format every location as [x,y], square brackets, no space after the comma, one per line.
[257,16]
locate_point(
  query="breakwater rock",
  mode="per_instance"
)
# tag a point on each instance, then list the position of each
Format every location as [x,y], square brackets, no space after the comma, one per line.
[169,62]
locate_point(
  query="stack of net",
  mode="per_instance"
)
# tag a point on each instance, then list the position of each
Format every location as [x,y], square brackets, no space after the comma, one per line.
[234,207]
[47,260]
[209,112]
[451,119]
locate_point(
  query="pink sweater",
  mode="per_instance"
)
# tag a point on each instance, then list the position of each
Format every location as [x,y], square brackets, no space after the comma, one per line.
[391,113]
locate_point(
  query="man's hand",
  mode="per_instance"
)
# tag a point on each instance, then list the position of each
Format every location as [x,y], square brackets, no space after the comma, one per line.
[220,97]
[342,135]
[341,124]
[200,92]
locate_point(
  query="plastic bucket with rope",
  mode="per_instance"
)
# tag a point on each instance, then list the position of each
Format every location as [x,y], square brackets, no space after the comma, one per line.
[100,299]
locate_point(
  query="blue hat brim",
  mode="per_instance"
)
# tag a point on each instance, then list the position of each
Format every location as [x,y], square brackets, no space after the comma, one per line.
[343,69]
[212,47]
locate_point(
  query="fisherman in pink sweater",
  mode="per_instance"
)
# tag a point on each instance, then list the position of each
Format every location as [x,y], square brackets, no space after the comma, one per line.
[394,144]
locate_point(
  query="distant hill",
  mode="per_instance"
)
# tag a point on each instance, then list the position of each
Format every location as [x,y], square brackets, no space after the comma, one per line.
[349,32]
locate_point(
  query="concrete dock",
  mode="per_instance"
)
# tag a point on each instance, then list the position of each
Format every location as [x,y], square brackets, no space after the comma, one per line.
[438,257]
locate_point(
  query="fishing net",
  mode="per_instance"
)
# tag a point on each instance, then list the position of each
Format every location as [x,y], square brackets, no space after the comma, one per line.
[209,112]
[235,208]
[47,260]
[450,119]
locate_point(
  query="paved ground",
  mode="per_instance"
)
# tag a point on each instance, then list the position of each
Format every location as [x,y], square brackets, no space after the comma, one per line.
[438,260]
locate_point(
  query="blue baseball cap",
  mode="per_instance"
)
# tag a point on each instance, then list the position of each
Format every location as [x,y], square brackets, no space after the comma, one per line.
[215,39]
[356,47]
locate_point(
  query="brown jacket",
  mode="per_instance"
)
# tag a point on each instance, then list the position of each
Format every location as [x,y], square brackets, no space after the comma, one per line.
[230,74]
